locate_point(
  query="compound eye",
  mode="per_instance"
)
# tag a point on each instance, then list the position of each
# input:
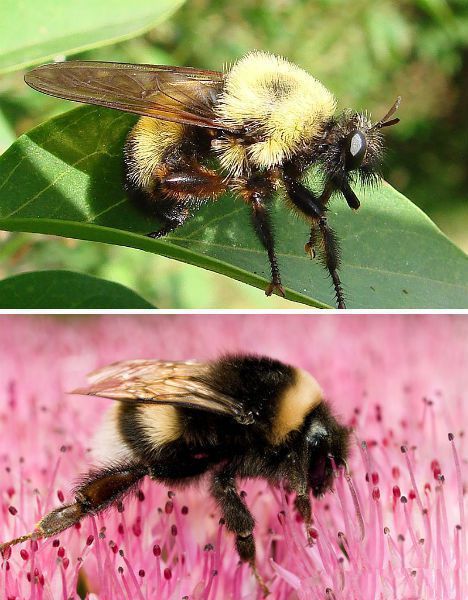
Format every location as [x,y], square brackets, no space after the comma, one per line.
[356,150]
[317,475]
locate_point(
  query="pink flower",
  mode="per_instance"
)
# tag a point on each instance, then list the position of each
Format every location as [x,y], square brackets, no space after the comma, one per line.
[399,380]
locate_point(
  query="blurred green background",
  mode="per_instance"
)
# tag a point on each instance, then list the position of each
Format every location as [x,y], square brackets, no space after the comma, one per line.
[365,52]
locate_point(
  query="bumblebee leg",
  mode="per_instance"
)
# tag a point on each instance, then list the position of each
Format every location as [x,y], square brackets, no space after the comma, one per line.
[98,490]
[184,188]
[312,207]
[238,519]
[297,480]
[235,513]
[304,508]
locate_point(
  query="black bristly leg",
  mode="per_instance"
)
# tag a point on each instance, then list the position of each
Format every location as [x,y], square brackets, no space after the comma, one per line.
[168,227]
[309,247]
[313,207]
[351,199]
[181,189]
[262,223]
[235,513]
[315,234]
[98,490]
[237,517]
[257,191]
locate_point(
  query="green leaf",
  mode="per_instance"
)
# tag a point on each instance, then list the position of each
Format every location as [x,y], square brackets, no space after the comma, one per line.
[7,135]
[65,178]
[34,32]
[65,289]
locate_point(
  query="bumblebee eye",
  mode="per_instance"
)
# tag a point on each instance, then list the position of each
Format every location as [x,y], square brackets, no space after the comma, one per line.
[317,470]
[355,150]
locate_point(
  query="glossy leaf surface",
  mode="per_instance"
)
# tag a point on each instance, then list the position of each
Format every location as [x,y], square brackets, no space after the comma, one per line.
[65,178]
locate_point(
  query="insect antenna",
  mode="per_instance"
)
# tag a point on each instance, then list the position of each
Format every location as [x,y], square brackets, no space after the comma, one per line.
[385,122]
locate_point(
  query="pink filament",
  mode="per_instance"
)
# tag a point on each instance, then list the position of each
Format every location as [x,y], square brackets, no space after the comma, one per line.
[357,508]
[461,508]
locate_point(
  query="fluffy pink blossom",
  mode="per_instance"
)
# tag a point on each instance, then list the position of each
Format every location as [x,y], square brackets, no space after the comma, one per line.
[399,380]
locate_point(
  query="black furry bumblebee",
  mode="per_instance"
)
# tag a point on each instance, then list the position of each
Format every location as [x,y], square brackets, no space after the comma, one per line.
[253,130]
[240,416]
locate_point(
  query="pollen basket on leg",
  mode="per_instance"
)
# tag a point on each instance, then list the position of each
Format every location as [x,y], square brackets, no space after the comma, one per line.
[275,102]
[146,145]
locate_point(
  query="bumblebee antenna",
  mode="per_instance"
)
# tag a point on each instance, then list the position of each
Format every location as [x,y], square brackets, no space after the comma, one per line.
[385,122]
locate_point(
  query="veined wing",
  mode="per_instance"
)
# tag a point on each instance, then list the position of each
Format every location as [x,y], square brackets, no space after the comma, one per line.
[180,94]
[184,384]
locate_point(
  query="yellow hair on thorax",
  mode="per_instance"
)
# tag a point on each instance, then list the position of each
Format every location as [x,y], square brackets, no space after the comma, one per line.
[146,145]
[276,100]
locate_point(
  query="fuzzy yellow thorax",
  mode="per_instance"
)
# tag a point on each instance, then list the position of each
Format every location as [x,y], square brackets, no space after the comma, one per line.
[277,102]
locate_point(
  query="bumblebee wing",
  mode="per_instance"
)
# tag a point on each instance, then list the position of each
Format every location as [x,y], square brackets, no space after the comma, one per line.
[184,384]
[179,94]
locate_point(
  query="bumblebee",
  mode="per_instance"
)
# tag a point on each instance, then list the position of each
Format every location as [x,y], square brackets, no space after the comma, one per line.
[241,416]
[253,130]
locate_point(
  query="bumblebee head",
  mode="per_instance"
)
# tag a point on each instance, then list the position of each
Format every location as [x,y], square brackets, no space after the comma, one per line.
[353,149]
[327,443]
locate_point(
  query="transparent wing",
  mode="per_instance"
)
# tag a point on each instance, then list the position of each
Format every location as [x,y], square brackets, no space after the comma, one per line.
[184,384]
[179,94]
